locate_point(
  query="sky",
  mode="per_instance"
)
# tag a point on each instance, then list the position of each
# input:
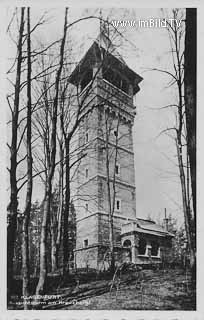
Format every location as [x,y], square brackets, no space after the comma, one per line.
[156,171]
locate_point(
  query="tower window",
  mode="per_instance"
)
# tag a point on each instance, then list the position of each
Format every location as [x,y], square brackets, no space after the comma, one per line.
[117,169]
[86,243]
[118,205]
[87,173]
[116,134]
[124,85]
[87,137]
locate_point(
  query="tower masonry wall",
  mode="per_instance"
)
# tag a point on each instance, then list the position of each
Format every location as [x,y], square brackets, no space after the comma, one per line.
[87,229]
[124,194]
[103,229]
[125,162]
[92,234]
[96,255]
[87,258]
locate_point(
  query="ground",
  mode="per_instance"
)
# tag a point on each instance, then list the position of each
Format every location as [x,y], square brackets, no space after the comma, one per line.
[140,290]
[157,291]
[144,290]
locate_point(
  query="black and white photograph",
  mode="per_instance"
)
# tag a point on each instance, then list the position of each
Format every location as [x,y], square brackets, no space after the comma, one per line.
[101,134]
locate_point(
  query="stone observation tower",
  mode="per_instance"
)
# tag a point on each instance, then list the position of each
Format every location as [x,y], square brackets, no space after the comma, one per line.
[106,87]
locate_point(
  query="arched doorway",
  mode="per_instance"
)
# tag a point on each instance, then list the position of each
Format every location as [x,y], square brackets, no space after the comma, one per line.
[127,256]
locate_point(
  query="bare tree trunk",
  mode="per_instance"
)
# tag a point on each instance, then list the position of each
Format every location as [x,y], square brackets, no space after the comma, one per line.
[186,207]
[61,204]
[188,194]
[43,240]
[111,199]
[190,95]
[53,231]
[190,84]
[53,249]
[175,35]
[46,214]
[60,214]
[66,209]
[110,218]
[26,218]
[185,202]
[13,205]
[114,194]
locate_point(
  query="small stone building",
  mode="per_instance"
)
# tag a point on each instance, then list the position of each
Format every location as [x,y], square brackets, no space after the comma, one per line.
[145,241]
[107,86]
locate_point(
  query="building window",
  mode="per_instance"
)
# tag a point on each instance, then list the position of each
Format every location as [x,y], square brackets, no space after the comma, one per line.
[87,173]
[117,169]
[86,243]
[127,243]
[148,250]
[118,205]
[155,248]
[142,246]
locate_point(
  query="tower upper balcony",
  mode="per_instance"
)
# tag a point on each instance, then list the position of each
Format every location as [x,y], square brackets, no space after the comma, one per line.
[115,95]
[106,90]
[103,75]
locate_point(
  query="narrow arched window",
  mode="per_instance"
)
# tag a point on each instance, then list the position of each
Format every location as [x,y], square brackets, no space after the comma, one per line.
[127,243]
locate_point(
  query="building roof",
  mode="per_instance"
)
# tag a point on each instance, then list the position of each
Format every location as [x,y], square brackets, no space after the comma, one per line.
[102,46]
[147,227]
[152,226]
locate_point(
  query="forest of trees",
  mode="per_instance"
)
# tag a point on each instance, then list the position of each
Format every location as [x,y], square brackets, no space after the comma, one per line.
[45,112]
[183,54]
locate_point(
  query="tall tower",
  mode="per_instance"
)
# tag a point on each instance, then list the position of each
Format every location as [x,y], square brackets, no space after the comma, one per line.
[107,86]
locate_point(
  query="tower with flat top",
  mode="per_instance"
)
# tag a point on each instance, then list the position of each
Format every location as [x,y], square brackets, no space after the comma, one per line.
[106,87]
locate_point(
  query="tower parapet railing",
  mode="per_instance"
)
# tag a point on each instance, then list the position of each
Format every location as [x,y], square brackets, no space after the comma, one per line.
[107,89]
[102,88]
